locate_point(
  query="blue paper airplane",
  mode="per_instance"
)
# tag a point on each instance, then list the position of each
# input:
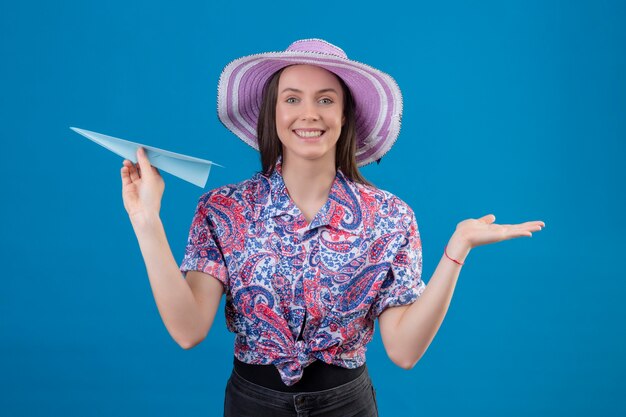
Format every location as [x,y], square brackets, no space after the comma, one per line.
[194,170]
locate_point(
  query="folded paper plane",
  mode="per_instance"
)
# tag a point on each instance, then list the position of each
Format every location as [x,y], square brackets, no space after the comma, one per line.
[194,170]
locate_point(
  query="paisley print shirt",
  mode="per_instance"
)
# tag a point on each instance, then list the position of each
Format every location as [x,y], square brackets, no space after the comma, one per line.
[360,254]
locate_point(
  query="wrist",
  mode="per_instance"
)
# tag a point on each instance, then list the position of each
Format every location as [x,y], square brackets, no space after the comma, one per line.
[144,221]
[457,249]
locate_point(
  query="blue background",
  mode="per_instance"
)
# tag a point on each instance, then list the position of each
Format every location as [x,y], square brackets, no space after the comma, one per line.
[511,108]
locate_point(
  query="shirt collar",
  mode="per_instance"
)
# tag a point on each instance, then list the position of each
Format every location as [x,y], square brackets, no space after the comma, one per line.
[342,211]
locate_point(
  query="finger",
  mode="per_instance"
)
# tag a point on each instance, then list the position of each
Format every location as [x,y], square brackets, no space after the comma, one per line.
[523,228]
[527,228]
[527,231]
[513,231]
[531,226]
[127,164]
[144,163]
[134,173]
[489,218]
[519,233]
[125,176]
[533,223]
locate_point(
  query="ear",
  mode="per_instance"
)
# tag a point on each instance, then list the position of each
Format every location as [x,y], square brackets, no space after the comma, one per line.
[343,120]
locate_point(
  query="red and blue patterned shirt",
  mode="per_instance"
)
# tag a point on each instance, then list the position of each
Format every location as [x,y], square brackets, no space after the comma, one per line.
[360,254]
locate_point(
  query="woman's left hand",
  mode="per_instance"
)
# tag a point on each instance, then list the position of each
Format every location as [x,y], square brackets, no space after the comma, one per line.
[477,232]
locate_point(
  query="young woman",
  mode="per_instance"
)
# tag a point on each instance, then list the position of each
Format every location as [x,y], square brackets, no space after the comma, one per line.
[308,252]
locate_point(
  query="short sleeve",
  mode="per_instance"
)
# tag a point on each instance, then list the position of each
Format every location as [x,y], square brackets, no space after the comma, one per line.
[203,252]
[403,283]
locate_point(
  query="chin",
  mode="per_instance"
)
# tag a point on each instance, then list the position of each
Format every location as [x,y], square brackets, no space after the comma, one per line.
[312,155]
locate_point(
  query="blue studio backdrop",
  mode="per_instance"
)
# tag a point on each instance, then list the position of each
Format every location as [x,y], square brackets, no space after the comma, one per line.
[512,108]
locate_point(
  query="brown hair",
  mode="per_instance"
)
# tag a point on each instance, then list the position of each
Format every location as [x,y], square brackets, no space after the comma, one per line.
[270,146]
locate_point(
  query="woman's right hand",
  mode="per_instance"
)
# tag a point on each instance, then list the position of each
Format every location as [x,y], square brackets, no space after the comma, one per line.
[142,187]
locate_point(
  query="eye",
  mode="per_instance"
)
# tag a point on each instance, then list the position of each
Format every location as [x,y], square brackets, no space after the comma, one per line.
[326,101]
[291,100]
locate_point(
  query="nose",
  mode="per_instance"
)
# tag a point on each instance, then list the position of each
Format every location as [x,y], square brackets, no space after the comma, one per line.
[309,111]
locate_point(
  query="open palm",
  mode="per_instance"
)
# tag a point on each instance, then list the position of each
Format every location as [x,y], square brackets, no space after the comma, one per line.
[477,232]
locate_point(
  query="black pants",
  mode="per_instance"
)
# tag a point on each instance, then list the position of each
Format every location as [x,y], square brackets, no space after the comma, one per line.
[355,398]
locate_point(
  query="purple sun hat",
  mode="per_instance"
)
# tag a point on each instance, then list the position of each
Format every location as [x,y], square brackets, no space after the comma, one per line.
[377,97]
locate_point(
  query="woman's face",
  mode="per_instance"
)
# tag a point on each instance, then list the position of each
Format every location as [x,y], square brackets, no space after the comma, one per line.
[309,113]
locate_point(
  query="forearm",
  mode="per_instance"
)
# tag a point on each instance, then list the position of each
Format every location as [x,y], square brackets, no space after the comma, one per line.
[174,298]
[420,322]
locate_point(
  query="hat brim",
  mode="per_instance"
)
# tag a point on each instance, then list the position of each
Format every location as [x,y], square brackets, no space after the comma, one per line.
[377,97]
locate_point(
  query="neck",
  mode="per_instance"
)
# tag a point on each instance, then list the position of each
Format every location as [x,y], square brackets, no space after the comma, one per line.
[308,181]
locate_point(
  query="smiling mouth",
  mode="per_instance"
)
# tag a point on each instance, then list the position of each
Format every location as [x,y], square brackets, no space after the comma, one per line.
[309,133]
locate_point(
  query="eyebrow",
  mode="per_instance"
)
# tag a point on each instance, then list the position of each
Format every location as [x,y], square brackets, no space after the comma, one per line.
[324,90]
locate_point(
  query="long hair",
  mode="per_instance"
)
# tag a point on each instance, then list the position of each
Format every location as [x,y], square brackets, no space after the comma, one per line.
[270,146]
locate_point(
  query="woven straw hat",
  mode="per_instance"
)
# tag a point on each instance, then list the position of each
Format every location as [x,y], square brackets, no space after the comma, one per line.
[377,97]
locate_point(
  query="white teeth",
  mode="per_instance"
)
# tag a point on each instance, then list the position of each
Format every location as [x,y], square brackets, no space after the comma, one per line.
[306,134]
